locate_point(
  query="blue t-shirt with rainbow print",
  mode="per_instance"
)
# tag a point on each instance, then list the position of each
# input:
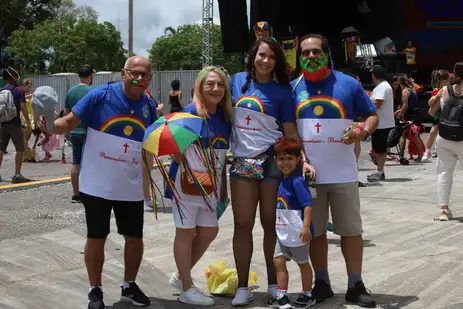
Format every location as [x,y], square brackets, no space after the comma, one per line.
[111,166]
[259,113]
[218,130]
[323,111]
[294,194]
[293,197]
[107,110]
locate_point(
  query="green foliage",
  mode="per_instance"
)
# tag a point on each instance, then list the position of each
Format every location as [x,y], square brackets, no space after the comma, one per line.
[68,41]
[181,49]
[24,13]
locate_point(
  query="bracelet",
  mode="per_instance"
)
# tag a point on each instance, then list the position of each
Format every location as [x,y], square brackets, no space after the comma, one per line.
[367,134]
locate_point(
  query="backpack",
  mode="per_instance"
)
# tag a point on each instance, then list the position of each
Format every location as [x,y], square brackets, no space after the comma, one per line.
[8,109]
[451,118]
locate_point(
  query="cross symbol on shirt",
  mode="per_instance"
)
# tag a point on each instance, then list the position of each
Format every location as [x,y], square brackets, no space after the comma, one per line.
[318,126]
[125,147]
[248,120]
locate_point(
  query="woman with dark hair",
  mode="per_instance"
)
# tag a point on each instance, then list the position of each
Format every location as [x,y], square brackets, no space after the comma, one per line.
[397,92]
[409,101]
[449,143]
[175,97]
[263,113]
[409,111]
[439,79]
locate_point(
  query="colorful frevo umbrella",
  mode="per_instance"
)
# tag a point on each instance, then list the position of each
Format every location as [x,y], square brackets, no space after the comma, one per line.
[172,134]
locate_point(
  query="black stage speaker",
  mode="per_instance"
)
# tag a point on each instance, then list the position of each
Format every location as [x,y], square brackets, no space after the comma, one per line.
[234,25]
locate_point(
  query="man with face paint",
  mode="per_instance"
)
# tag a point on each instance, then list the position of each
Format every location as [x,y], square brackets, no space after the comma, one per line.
[111,175]
[326,102]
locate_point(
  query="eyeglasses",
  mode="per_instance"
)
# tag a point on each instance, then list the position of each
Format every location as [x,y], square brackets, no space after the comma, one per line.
[136,74]
[315,51]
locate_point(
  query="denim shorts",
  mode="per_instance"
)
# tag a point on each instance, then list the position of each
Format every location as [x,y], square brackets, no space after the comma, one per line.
[272,173]
[77,141]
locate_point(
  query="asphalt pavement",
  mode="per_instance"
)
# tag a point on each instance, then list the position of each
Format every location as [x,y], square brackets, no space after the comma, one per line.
[410,260]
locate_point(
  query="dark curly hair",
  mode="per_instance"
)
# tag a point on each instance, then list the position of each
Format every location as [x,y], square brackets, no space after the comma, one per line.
[281,68]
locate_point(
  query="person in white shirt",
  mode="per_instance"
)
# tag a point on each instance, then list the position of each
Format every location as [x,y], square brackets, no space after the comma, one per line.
[383,98]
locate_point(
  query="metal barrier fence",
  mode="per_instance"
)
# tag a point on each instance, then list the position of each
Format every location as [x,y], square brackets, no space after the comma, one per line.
[159,87]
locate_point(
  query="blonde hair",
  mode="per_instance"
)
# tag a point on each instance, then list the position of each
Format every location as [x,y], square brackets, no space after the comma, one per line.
[198,98]
[27,81]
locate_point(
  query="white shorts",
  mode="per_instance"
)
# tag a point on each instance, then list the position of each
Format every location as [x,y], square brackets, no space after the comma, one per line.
[194,215]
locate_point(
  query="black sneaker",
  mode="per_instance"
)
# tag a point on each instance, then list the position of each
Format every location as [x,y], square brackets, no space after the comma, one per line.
[360,296]
[134,295]
[305,301]
[284,303]
[95,299]
[321,291]
[272,303]
[19,179]
[76,199]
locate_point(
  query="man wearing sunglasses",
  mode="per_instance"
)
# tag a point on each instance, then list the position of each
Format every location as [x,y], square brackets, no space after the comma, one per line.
[116,116]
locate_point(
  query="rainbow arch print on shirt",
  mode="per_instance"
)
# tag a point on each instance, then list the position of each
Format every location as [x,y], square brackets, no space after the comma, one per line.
[127,124]
[282,203]
[219,142]
[320,106]
[252,103]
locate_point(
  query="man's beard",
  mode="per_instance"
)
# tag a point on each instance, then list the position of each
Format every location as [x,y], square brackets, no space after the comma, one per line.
[314,73]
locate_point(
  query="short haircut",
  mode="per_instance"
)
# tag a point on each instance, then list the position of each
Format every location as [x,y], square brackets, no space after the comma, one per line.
[85,71]
[379,72]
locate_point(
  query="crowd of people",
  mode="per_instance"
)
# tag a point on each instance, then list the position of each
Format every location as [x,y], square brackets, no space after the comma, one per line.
[288,140]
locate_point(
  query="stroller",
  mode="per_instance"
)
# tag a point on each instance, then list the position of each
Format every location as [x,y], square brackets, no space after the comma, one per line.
[404,129]
[401,129]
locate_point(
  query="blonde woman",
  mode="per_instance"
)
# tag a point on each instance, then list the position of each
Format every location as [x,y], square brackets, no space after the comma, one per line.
[199,226]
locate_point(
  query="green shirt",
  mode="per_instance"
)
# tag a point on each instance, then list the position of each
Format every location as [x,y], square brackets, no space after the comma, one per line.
[72,98]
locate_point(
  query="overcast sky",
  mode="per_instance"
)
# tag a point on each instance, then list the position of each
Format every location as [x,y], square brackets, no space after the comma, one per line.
[150,17]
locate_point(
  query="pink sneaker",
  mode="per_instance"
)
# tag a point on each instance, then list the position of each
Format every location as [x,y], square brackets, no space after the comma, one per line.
[427,155]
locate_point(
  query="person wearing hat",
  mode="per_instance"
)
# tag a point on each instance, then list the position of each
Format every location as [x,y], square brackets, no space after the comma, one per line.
[12,130]
[77,135]
[383,98]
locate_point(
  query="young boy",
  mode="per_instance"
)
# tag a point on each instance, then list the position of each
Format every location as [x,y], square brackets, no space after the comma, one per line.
[293,224]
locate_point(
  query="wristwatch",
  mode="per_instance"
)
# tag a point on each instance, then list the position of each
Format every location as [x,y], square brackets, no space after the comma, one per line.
[306,160]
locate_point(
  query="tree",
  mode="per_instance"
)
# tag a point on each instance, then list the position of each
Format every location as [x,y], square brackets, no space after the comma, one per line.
[66,42]
[24,13]
[169,31]
[182,50]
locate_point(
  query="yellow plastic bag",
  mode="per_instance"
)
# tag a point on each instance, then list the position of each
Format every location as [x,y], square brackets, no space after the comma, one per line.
[222,280]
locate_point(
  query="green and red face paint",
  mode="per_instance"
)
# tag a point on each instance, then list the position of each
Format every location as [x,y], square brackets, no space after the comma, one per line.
[317,71]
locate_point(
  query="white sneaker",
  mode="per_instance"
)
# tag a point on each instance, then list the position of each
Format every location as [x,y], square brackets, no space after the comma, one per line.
[148,206]
[194,297]
[242,297]
[176,283]
[445,215]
